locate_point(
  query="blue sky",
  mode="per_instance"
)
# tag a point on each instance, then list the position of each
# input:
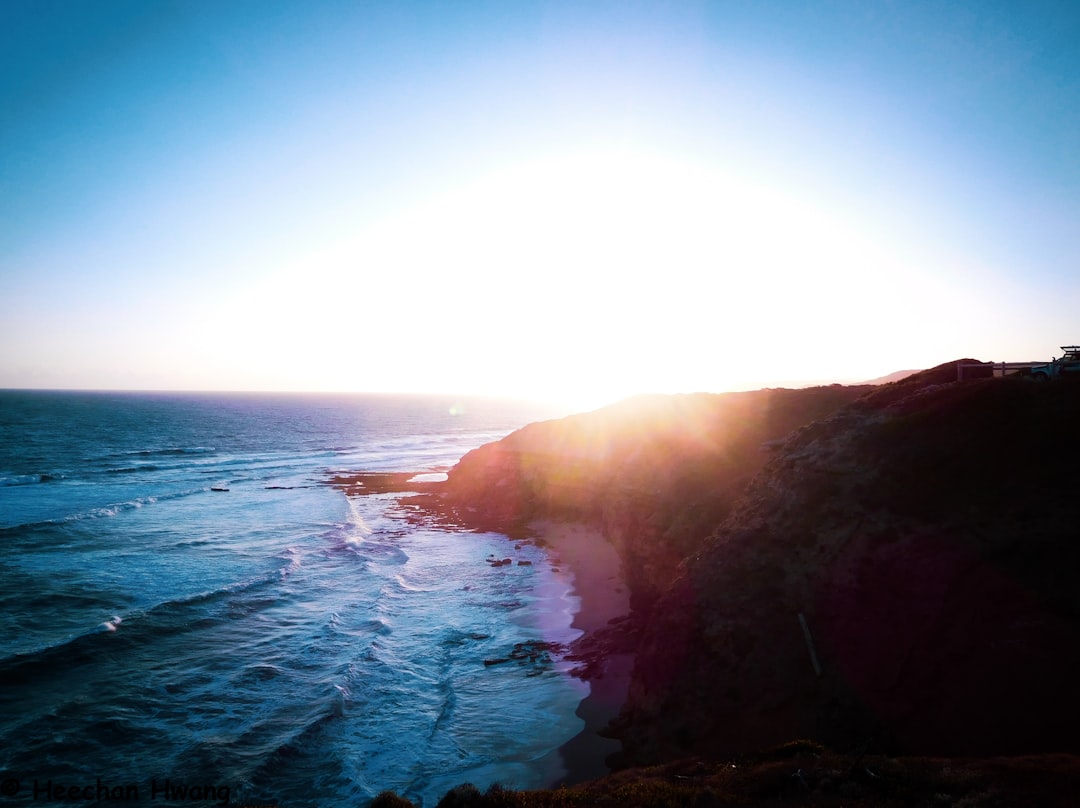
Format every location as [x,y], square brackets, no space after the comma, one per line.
[559,199]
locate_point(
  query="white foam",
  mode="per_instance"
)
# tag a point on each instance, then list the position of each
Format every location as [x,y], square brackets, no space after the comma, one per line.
[360,531]
[429,477]
[295,558]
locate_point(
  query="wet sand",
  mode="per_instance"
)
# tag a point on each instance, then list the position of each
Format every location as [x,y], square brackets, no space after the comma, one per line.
[594,565]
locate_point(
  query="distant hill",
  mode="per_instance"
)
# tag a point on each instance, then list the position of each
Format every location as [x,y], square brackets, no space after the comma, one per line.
[893,377]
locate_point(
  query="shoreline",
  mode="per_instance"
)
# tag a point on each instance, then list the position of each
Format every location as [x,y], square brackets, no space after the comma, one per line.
[592,570]
[597,581]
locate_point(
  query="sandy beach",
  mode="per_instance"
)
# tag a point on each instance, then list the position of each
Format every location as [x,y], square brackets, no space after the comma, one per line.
[597,570]
[597,575]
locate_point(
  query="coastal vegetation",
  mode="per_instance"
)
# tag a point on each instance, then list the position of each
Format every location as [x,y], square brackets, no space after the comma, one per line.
[799,773]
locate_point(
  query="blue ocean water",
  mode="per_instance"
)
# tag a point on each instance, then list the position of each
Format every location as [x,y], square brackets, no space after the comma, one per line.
[273,643]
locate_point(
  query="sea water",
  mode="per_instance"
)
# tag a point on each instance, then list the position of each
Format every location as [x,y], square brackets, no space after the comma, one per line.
[189,613]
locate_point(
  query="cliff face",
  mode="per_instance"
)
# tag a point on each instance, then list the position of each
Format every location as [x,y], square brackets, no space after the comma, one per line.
[925,532]
[655,473]
[929,538]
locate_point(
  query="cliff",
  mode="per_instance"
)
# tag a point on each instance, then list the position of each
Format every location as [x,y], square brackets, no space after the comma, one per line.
[928,538]
[655,473]
[892,567]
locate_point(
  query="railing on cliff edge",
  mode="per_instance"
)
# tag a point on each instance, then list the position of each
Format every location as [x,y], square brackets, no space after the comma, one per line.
[996,369]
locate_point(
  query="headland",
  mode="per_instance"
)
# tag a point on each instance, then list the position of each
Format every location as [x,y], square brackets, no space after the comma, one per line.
[863,594]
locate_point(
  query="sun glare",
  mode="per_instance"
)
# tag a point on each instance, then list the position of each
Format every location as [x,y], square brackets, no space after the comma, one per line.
[586,277]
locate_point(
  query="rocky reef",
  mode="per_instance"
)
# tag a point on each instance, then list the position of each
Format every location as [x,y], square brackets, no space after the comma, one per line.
[885,568]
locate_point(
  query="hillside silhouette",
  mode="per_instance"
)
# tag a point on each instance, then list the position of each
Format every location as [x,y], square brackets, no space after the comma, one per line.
[882,570]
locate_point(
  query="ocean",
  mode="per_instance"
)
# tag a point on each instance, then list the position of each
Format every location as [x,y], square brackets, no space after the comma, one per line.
[190,615]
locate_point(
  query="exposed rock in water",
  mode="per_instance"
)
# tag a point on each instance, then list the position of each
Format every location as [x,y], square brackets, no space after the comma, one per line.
[536,654]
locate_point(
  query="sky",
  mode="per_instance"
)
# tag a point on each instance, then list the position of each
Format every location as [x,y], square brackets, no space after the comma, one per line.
[556,199]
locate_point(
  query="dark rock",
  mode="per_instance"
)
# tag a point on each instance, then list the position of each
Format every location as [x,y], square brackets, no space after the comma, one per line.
[534,650]
[388,799]
[464,796]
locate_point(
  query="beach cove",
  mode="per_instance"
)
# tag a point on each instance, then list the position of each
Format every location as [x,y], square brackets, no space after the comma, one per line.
[578,561]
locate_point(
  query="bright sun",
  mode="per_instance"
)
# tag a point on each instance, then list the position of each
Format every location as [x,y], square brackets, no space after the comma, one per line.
[590,276]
